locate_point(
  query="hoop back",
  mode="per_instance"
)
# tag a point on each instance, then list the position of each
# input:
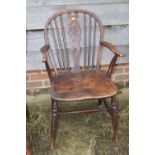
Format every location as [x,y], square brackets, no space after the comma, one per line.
[74,38]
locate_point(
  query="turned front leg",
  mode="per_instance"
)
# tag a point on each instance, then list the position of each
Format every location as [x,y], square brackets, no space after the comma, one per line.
[114,118]
[54,123]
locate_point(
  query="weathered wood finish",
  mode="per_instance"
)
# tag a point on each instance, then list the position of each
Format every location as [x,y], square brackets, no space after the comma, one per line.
[117,35]
[110,13]
[54,122]
[78,82]
[72,30]
[82,111]
[109,109]
[113,13]
[33,60]
[114,118]
[82,86]
[30,3]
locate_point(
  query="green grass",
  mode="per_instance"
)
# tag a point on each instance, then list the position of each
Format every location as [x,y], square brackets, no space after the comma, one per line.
[82,134]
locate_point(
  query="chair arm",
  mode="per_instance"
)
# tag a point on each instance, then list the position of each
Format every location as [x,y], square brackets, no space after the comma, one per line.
[111,66]
[44,51]
[112,48]
[114,59]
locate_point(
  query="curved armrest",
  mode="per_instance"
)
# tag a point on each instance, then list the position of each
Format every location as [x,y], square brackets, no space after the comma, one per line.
[112,48]
[44,52]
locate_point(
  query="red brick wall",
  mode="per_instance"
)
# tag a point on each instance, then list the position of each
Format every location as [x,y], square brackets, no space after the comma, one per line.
[38,79]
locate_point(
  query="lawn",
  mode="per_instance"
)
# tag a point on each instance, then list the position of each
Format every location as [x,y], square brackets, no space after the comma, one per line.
[82,134]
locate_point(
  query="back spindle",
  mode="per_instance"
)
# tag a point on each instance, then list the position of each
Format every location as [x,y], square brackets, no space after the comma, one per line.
[72,35]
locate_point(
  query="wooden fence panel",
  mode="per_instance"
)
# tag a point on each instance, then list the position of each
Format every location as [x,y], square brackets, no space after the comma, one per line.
[117,35]
[33,60]
[111,14]
[30,3]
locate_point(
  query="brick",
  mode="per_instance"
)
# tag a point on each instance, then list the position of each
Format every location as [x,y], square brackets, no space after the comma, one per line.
[127,69]
[122,64]
[34,71]
[39,77]
[44,71]
[34,84]
[121,77]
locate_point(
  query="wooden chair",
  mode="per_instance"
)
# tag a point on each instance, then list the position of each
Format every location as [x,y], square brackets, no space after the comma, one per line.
[72,55]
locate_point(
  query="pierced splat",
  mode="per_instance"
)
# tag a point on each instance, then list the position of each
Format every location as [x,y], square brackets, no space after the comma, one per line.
[74,31]
[73,37]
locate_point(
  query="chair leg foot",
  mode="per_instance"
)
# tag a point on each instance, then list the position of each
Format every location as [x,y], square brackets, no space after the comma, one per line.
[53,124]
[114,118]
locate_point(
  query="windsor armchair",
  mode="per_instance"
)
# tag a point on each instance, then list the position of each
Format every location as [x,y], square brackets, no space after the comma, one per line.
[72,55]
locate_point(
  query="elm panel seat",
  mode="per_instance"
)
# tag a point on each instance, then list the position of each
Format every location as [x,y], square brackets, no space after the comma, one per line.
[82,86]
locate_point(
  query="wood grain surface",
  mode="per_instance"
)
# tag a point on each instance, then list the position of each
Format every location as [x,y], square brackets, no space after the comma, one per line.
[82,85]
